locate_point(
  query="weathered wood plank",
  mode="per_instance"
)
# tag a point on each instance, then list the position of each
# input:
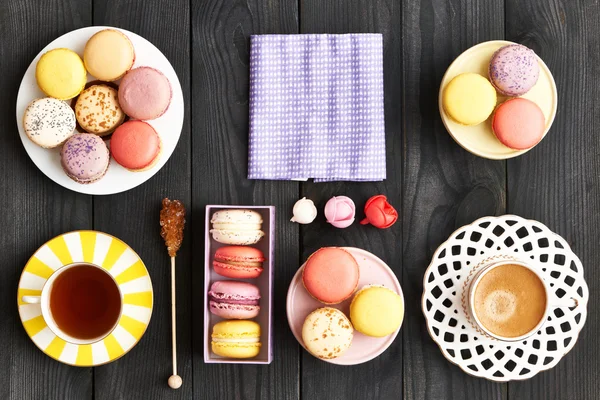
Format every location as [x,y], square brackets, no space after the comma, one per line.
[557,183]
[445,187]
[220,32]
[382,377]
[35,208]
[133,216]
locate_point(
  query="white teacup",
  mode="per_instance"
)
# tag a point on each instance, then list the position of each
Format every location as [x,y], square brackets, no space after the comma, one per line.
[552,301]
[44,301]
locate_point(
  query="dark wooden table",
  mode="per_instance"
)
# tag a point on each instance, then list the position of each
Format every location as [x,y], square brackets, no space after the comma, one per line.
[435,185]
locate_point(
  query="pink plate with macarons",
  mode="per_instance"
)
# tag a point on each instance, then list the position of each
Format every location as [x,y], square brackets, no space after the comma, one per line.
[364,348]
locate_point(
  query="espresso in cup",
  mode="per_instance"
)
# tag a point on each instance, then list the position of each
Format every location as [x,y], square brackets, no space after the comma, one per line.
[510,300]
[85,302]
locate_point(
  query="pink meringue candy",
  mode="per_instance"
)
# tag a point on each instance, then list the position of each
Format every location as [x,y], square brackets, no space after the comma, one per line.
[304,211]
[339,211]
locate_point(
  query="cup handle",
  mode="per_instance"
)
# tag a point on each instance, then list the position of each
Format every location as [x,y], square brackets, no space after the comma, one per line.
[31,299]
[564,303]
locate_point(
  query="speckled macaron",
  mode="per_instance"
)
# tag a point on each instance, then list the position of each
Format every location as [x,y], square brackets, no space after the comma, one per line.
[48,122]
[514,70]
[85,158]
[97,110]
[237,227]
[327,333]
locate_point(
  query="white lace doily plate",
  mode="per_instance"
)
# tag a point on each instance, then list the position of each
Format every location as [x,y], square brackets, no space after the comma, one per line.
[447,277]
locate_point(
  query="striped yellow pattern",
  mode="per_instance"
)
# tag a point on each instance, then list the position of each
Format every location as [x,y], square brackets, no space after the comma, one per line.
[133,326]
[56,347]
[113,347]
[143,299]
[116,250]
[38,268]
[60,249]
[137,270]
[84,355]
[107,253]
[34,325]
[88,243]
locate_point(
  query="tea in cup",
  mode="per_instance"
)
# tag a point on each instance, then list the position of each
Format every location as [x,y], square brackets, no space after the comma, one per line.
[81,303]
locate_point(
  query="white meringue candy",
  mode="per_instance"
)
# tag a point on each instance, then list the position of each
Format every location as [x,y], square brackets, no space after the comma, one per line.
[304,211]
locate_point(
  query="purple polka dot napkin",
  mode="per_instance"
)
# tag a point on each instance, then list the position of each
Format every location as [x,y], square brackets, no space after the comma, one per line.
[316,107]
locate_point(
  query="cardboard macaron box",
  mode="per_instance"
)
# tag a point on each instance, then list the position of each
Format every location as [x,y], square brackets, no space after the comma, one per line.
[238,276]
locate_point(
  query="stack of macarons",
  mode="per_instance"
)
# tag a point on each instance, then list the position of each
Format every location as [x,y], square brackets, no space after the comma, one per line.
[99,108]
[234,300]
[470,99]
[331,275]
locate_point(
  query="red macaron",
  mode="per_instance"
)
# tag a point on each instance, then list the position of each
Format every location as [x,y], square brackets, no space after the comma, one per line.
[135,145]
[238,262]
[331,275]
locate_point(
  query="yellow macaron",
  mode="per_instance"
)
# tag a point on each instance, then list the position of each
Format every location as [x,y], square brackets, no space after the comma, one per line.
[236,339]
[469,99]
[60,73]
[376,311]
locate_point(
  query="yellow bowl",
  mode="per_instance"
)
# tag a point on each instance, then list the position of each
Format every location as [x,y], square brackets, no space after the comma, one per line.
[480,139]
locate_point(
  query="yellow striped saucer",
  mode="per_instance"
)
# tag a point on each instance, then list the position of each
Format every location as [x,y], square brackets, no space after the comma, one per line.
[122,263]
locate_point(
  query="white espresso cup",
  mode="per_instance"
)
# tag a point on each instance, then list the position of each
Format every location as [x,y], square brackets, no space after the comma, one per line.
[44,301]
[552,301]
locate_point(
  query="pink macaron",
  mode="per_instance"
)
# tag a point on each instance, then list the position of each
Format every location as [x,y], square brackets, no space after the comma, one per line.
[145,93]
[238,262]
[519,123]
[331,275]
[234,299]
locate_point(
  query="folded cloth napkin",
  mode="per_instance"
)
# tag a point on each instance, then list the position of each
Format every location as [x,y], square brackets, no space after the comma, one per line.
[316,107]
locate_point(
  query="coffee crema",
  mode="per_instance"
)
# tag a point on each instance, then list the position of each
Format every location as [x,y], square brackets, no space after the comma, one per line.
[85,302]
[510,300]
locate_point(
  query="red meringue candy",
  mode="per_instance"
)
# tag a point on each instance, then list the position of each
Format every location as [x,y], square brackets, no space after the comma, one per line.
[379,212]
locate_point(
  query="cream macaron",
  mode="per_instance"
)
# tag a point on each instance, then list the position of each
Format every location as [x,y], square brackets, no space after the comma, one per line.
[98,111]
[108,55]
[49,122]
[237,227]
[327,333]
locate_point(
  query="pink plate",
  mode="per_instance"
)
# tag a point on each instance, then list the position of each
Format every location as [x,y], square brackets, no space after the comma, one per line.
[364,348]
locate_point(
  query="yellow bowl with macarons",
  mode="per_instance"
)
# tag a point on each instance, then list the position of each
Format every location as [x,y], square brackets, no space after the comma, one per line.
[376,311]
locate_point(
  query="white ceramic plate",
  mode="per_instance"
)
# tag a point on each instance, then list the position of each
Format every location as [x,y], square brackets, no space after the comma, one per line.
[480,139]
[363,348]
[117,179]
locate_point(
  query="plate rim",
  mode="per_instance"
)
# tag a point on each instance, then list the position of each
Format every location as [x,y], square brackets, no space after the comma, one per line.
[390,338]
[515,153]
[430,265]
[81,188]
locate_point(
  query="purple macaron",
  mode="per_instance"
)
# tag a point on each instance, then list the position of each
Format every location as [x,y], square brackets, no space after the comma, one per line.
[234,300]
[514,70]
[85,158]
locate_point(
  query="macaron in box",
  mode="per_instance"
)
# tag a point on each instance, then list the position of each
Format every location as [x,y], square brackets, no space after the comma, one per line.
[228,262]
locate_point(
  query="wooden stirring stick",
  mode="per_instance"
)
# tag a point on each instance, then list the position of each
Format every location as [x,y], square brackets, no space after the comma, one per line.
[172,220]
